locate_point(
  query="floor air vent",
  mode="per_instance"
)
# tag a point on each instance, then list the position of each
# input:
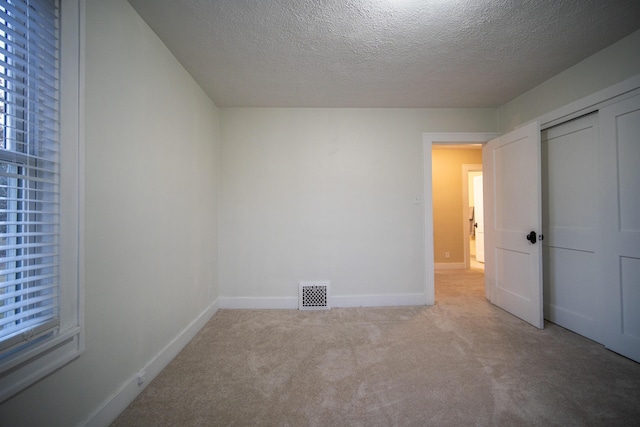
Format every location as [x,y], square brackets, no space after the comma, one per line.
[314,296]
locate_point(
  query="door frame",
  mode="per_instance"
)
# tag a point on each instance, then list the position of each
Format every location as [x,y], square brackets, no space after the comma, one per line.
[428,139]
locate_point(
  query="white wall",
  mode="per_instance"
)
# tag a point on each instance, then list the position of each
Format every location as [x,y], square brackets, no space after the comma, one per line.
[311,194]
[151,215]
[611,65]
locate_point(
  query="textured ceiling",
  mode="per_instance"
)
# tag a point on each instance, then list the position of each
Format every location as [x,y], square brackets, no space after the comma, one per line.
[382,53]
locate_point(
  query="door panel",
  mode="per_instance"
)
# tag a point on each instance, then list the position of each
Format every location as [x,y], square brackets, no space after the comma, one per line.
[630,278]
[628,133]
[620,236]
[570,210]
[569,294]
[510,265]
[512,200]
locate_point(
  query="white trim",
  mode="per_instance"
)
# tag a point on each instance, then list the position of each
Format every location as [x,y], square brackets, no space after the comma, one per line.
[393,300]
[342,301]
[428,139]
[449,266]
[40,362]
[43,358]
[109,410]
[259,303]
[81,169]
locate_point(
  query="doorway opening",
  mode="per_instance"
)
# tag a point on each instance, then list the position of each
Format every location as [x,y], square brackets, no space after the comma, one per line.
[458,231]
[445,258]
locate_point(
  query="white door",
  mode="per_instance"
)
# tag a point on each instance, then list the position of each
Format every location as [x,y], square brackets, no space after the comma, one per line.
[513,221]
[619,154]
[570,224]
[479,217]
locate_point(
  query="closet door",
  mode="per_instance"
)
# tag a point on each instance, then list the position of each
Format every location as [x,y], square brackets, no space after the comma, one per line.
[570,224]
[619,156]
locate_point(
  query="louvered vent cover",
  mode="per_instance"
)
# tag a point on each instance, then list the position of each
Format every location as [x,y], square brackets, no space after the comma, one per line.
[314,296]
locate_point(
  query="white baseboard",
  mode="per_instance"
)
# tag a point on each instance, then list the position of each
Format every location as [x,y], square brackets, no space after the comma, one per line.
[120,399]
[336,301]
[378,300]
[259,303]
[449,266]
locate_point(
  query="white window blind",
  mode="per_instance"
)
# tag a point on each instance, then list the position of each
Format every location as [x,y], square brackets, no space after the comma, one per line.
[29,171]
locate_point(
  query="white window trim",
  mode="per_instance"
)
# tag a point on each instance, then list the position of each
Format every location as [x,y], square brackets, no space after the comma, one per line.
[39,360]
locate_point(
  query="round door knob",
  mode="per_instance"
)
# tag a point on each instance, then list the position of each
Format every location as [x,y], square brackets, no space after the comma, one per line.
[532,237]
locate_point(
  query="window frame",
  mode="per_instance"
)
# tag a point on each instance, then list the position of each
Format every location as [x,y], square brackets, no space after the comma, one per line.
[42,356]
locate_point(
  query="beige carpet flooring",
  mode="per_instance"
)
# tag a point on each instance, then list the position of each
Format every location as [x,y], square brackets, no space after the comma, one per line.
[460,362]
